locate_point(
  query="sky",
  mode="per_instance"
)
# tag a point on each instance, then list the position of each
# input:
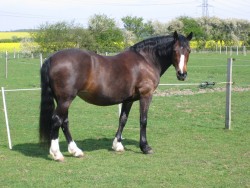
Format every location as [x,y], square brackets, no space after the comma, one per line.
[30,14]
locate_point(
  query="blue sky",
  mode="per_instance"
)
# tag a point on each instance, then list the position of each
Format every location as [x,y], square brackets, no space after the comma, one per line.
[29,14]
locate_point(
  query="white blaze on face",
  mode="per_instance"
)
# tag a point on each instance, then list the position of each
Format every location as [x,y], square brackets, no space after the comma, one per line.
[181,63]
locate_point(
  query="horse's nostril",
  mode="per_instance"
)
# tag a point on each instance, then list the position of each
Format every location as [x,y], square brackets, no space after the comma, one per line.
[181,76]
[185,75]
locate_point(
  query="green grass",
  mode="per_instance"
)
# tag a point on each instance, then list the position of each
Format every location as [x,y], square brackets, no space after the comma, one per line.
[191,146]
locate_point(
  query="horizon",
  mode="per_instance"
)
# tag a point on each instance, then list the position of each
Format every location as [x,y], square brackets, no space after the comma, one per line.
[30,30]
[30,14]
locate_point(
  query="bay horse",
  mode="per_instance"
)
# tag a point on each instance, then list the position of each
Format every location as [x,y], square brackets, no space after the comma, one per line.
[106,80]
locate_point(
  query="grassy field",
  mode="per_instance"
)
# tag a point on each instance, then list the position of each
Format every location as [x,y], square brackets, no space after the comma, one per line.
[191,146]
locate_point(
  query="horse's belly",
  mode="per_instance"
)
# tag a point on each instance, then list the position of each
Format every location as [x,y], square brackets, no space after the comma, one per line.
[101,99]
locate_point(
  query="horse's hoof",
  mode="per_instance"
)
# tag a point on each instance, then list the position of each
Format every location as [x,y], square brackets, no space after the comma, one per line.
[61,160]
[117,146]
[58,158]
[79,155]
[74,150]
[57,155]
[147,150]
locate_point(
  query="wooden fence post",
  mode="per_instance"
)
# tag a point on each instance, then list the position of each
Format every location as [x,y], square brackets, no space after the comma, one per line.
[228,94]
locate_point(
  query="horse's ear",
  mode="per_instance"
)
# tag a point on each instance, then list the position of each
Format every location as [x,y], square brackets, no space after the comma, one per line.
[190,36]
[175,35]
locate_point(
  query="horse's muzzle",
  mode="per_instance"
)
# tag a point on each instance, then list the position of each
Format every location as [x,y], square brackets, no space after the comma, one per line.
[181,76]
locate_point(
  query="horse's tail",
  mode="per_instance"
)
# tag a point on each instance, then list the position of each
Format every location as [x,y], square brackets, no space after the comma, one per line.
[47,105]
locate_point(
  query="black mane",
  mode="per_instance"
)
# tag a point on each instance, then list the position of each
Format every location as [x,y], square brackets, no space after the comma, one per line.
[161,44]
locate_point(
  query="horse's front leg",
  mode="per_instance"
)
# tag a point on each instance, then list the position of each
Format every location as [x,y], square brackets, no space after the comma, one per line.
[117,145]
[144,106]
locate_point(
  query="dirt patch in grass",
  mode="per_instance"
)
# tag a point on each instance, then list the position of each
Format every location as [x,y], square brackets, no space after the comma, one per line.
[172,92]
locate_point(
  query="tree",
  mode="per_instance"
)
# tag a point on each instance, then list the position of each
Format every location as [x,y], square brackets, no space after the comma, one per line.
[129,38]
[28,46]
[61,35]
[82,38]
[52,37]
[136,25]
[175,25]
[191,25]
[106,33]
[160,28]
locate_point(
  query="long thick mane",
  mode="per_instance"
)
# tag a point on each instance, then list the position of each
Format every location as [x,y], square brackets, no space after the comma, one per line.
[161,44]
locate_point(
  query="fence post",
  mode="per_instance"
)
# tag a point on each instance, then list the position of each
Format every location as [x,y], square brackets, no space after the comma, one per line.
[6,64]
[119,109]
[6,118]
[228,94]
[244,50]
[14,53]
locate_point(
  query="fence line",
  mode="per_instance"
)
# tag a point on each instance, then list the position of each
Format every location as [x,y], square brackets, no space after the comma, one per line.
[203,84]
[32,89]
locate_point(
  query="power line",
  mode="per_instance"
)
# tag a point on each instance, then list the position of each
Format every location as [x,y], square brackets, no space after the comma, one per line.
[204,6]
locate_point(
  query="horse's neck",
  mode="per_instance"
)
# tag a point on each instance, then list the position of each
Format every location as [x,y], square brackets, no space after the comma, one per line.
[160,62]
[163,63]
[152,59]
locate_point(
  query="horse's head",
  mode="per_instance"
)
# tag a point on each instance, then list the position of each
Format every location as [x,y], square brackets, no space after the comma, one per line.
[181,54]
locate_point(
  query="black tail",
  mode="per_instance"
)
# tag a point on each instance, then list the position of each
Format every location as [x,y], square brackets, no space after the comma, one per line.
[47,105]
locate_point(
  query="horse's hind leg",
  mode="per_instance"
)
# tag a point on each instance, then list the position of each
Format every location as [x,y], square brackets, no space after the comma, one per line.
[72,147]
[54,147]
[60,119]
[117,145]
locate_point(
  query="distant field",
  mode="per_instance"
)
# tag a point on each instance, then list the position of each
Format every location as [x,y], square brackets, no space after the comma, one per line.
[10,35]
[10,46]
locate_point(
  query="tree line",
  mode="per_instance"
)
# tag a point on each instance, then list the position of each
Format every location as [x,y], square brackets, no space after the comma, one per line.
[103,34]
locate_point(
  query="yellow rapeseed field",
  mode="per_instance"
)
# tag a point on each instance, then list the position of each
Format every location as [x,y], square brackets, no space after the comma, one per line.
[10,35]
[10,47]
